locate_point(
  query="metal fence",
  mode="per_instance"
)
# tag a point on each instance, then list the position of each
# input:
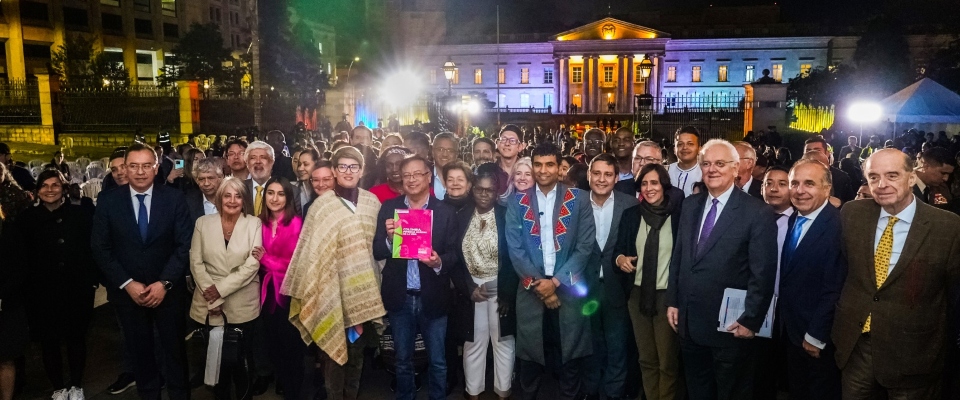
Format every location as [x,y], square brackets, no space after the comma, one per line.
[118,109]
[223,115]
[716,116]
[19,103]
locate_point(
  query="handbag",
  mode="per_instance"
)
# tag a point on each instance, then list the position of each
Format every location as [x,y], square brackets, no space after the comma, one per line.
[232,351]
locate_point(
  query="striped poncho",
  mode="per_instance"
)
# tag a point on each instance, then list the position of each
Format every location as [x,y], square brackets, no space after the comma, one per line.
[332,279]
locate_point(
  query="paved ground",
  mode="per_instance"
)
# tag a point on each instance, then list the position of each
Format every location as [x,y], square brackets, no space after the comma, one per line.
[103,367]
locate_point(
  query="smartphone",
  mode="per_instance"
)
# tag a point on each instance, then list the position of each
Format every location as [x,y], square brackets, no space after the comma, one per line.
[178,164]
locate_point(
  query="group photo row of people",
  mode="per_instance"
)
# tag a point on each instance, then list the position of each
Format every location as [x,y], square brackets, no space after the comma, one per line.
[593,266]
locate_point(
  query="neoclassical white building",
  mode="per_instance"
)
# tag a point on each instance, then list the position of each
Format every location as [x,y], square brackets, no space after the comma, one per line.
[597,66]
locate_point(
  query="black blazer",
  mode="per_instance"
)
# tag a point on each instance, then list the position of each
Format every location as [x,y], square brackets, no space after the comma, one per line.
[842,185]
[12,269]
[194,198]
[755,189]
[434,287]
[626,186]
[741,253]
[507,279]
[248,199]
[630,228]
[615,285]
[57,246]
[811,280]
[120,252]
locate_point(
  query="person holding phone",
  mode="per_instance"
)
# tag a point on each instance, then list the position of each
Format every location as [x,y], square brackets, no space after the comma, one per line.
[644,249]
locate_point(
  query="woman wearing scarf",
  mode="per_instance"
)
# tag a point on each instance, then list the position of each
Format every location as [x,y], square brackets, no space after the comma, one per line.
[648,233]
[333,279]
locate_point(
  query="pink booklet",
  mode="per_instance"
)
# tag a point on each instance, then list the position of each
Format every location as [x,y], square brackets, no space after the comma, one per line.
[413,236]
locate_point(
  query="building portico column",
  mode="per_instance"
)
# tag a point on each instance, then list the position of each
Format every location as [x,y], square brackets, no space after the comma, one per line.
[631,78]
[596,102]
[585,79]
[656,75]
[618,94]
[557,99]
[563,75]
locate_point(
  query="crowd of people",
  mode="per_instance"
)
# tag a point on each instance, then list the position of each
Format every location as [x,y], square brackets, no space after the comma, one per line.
[598,264]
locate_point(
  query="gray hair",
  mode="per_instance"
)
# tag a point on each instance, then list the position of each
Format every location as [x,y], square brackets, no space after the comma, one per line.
[827,176]
[259,145]
[230,183]
[748,149]
[209,165]
[646,143]
[720,142]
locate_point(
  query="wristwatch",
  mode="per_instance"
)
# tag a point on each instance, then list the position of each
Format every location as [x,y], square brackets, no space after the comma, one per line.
[167,285]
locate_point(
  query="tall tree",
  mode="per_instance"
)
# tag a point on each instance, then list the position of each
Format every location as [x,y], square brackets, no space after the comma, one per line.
[200,55]
[882,58]
[80,65]
[945,66]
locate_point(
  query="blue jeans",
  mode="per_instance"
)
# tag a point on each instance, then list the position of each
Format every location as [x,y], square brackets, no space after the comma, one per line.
[404,324]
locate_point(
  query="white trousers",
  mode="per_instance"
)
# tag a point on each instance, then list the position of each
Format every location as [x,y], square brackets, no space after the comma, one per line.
[486,329]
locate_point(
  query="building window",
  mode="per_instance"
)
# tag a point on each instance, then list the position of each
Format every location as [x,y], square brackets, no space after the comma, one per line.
[169,7]
[115,3]
[607,73]
[577,75]
[143,27]
[722,73]
[217,15]
[696,73]
[548,75]
[638,74]
[805,69]
[478,76]
[672,74]
[524,75]
[76,17]
[548,100]
[501,76]
[778,72]
[456,76]
[112,22]
[524,100]
[34,11]
[749,76]
[502,102]
[141,5]
[171,31]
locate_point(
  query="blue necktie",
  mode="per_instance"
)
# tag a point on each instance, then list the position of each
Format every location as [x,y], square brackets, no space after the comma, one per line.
[794,239]
[142,218]
[708,224]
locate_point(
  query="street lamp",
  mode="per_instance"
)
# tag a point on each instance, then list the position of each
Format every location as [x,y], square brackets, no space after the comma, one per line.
[449,69]
[355,59]
[864,112]
[645,106]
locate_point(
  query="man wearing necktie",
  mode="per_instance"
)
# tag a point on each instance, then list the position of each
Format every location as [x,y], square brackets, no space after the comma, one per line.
[141,240]
[727,239]
[811,275]
[934,167]
[891,327]
[260,158]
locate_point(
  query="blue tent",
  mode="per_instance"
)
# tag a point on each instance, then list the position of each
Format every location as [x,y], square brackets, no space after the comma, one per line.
[924,102]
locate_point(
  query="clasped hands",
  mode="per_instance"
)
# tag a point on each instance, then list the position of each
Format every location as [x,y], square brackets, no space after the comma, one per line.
[546,290]
[146,296]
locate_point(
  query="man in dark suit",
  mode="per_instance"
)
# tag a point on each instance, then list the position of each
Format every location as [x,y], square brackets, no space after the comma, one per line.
[811,276]
[416,292]
[262,164]
[645,152]
[934,167]
[843,187]
[606,369]
[728,239]
[551,237]
[890,327]
[283,165]
[141,241]
[748,160]
[20,174]
[208,173]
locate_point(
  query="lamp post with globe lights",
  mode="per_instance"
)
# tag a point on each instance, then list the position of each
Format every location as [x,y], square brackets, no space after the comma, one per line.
[644,107]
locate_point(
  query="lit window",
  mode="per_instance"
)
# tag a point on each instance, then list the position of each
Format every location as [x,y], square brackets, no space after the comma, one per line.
[548,100]
[696,73]
[671,74]
[577,75]
[607,73]
[115,3]
[433,77]
[548,75]
[722,74]
[524,75]
[478,76]
[778,72]
[456,76]
[169,7]
[805,69]
[524,100]
[749,76]
[576,100]
[503,101]
[501,76]
[638,74]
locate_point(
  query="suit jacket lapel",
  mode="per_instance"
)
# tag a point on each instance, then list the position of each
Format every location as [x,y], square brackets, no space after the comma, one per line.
[154,215]
[807,244]
[919,229]
[696,215]
[535,253]
[618,206]
[723,222]
[130,214]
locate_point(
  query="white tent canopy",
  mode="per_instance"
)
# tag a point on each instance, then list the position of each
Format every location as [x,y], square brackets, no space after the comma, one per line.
[924,102]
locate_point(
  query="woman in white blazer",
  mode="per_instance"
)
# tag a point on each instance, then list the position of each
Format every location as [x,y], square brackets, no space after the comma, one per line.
[225,271]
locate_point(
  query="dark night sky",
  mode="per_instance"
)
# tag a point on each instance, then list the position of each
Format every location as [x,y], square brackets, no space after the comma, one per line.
[554,16]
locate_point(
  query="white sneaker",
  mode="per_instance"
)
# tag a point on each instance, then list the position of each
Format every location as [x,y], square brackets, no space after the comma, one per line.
[60,395]
[75,393]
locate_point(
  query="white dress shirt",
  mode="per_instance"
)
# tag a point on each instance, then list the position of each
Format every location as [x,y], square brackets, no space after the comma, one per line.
[603,218]
[724,198]
[546,202]
[306,190]
[746,186]
[684,178]
[208,206]
[783,222]
[136,212]
[439,191]
[624,176]
[900,230]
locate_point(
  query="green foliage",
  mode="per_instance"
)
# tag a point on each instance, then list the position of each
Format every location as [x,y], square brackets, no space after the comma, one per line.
[290,60]
[200,55]
[945,66]
[823,87]
[883,58]
[81,66]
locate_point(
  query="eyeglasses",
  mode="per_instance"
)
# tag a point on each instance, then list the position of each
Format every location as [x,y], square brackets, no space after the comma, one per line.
[444,151]
[416,176]
[509,141]
[141,167]
[718,164]
[353,168]
[647,160]
[479,191]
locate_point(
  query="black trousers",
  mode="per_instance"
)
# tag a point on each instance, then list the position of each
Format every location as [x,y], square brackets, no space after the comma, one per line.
[66,323]
[813,378]
[723,373]
[138,324]
[606,370]
[531,373]
[236,375]
[286,348]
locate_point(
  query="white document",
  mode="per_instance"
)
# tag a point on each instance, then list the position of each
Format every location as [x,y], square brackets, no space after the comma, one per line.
[211,374]
[732,307]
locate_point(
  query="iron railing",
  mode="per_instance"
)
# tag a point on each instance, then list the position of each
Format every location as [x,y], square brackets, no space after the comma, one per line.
[118,109]
[19,103]
[716,116]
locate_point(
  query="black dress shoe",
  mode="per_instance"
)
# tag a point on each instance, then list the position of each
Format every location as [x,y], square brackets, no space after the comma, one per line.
[124,381]
[260,385]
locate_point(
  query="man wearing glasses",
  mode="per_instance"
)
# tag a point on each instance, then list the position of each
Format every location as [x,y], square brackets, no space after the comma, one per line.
[415,292]
[645,152]
[509,146]
[445,147]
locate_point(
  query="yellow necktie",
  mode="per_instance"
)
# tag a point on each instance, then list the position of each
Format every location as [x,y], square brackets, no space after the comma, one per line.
[881,260]
[259,199]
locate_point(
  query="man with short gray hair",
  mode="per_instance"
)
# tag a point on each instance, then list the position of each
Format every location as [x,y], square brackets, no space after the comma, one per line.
[260,158]
[208,173]
[645,152]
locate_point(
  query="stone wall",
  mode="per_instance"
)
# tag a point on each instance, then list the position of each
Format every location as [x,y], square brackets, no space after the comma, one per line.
[27,133]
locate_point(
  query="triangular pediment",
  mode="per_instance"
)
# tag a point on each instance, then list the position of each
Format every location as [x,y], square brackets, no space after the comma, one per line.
[610,29]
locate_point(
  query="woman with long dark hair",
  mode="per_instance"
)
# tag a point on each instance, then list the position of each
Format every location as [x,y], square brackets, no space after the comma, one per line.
[13,319]
[281,231]
[648,232]
[62,278]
